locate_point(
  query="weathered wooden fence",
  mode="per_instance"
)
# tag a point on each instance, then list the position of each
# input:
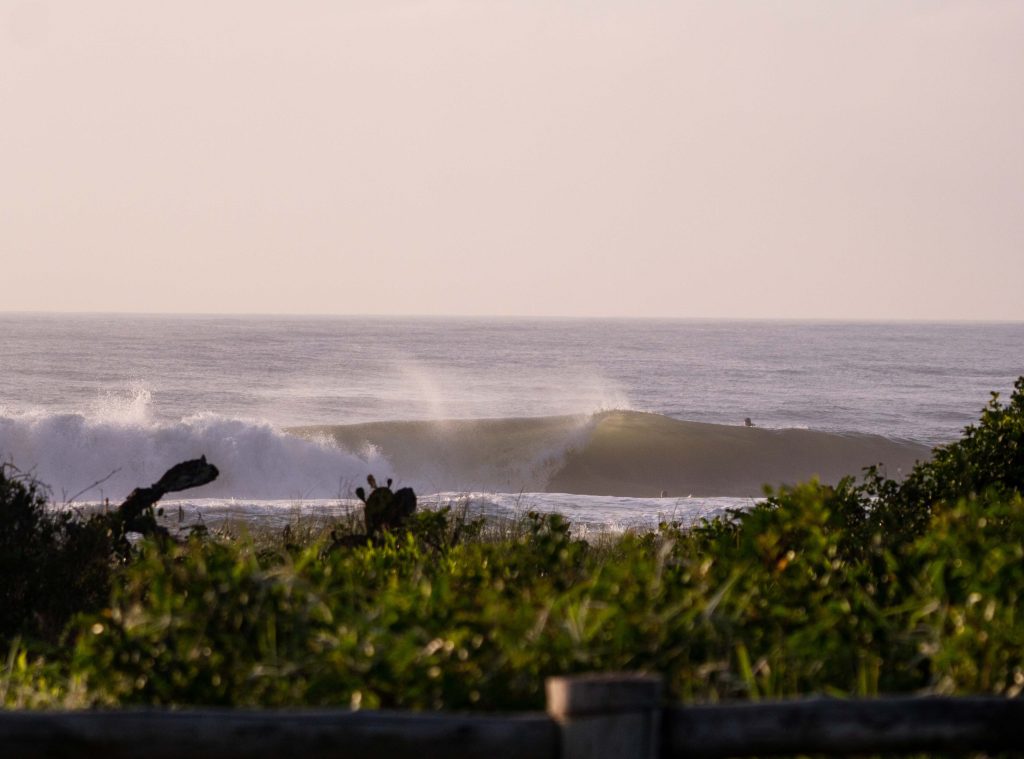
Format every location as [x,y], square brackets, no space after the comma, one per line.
[588,717]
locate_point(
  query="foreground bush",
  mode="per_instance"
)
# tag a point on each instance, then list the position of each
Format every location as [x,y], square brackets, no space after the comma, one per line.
[862,588]
[767,609]
[987,461]
[53,565]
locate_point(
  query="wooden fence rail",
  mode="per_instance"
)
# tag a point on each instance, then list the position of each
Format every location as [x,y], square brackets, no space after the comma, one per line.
[842,727]
[299,734]
[588,717]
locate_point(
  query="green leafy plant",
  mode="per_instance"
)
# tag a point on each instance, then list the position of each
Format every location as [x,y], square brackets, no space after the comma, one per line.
[53,564]
[864,587]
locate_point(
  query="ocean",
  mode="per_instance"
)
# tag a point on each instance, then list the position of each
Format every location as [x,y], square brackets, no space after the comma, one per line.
[615,423]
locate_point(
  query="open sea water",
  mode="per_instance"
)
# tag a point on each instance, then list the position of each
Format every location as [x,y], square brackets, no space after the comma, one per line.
[85,398]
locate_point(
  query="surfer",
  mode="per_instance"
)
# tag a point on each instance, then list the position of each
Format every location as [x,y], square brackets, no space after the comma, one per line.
[747,422]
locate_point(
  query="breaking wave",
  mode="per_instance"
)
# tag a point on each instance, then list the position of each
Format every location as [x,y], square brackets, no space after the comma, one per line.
[69,452]
[610,453]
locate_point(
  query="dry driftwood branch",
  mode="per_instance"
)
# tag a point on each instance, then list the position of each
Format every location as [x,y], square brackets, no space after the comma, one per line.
[96,484]
[136,513]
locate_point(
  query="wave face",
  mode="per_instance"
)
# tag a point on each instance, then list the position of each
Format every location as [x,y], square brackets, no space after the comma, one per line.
[489,455]
[613,453]
[632,453]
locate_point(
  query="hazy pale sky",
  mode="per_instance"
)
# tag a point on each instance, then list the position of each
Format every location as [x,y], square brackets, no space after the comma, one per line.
[801,159]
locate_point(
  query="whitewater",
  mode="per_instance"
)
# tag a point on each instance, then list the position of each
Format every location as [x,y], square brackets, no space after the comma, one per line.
[614,423]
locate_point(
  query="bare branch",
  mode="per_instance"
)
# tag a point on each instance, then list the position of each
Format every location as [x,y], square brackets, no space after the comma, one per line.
[94,485]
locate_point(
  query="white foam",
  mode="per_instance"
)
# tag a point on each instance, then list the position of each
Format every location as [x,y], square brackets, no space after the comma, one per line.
[598,511]
[130,404]
[585,513]
[68,452]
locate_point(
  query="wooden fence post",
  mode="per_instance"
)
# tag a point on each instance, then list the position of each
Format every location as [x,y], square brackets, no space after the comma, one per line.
[607,715]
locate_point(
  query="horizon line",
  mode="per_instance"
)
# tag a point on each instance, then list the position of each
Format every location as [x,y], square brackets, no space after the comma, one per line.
[519,317]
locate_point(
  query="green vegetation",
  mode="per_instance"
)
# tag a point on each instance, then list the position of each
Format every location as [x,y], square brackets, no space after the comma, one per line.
[867,587]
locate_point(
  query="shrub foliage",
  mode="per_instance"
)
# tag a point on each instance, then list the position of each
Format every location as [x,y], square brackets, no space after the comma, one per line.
[52,563]
[866,587]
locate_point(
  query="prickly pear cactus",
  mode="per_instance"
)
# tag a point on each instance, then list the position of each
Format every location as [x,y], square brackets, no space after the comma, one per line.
[385,509]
